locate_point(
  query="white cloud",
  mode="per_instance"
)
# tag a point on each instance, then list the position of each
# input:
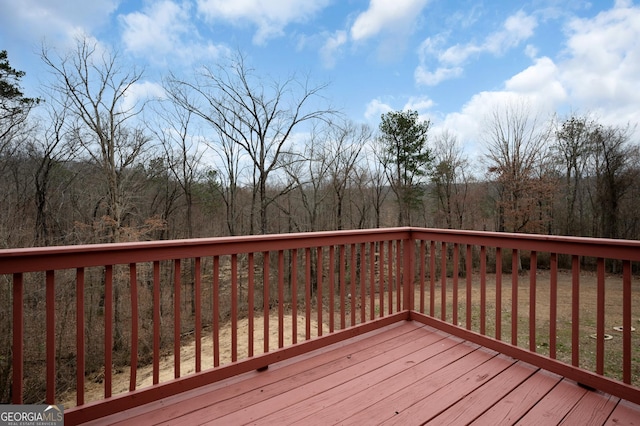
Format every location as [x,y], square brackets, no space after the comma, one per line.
[163,30]
[469,123]
[270,17]
[57,20]
[531,51]
[515,29]
[602,67]
[375,108]
[540,82]
[432,78]
[159,27]
[140,92]
[598,71]
[332,47]
[420,104]
[384,15]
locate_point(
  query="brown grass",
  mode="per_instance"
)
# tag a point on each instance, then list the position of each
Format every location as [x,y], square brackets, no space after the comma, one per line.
[587,314]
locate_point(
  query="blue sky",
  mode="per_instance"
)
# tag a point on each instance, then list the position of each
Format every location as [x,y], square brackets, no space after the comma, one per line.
[453,61]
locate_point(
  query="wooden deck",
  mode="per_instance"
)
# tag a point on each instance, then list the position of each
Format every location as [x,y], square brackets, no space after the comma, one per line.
[405,373]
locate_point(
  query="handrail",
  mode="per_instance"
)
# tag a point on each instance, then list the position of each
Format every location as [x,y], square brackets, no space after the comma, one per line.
[337,279]
[64,257]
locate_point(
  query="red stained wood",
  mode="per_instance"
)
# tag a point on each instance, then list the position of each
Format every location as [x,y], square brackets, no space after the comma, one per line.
[198,314]
[156,322]
[626,322]
[313,381]
[80,362]
[416,370]
[51,339]
[625,413]
[390,272]
[456,263]
[514,297]
[422,274]
[49,259]
[443,281]
[469,280]
[498,314]
[553,305]
[593,409]
[419,390]
[555,405]
[18,339]
[108,329]
[473,405]
[483,290]
[332,406]
[432,277]
[176,317]
[515,404]
[234,308]
[436,402]
[133,284]
[277,375]
[532,301]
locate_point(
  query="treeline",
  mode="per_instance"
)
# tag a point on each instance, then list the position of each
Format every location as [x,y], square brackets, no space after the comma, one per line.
[229,152]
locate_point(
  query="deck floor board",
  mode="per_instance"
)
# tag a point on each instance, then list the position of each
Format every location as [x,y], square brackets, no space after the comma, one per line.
[477,402]
[401,374]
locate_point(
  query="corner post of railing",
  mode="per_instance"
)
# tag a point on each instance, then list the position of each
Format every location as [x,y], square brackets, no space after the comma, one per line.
[18,338]
[409,267]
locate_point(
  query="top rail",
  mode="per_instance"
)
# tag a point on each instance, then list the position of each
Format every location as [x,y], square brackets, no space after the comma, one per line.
[579,246]
[87,255]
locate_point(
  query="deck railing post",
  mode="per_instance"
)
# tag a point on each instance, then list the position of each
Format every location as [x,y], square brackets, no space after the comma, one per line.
[80,349]
[18,338]
[51,336]
[409,264]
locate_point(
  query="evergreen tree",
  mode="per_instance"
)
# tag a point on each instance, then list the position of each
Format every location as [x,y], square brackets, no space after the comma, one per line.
[406,158]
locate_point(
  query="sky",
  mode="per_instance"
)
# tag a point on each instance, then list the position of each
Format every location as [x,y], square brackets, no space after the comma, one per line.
[452,61]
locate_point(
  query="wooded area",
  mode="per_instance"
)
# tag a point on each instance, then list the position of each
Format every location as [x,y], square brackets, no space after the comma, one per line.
[232,152]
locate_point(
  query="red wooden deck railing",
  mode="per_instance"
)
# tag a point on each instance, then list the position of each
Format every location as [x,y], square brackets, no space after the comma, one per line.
[450,279]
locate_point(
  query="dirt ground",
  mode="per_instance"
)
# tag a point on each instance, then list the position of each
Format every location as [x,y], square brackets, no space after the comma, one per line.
[120,380]
[587,302]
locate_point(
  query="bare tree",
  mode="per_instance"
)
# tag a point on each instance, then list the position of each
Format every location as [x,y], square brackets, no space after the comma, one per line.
[50,153]
[450,177]
[516,145]
[572,151]
[615,167]
[345,146]
[230,172]
[309,175]
[182,152]
[260,116]
[380,186]
[93,87]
